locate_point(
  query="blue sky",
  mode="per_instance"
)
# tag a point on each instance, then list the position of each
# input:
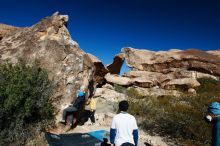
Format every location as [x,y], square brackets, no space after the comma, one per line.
[103,27]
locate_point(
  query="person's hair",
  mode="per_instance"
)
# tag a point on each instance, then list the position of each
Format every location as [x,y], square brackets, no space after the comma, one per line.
[123,105]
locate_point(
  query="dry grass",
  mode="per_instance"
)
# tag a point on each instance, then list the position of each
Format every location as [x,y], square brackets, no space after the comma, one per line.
[180,119]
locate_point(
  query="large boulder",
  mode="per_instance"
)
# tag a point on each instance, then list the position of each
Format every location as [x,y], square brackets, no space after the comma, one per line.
[142,82]
[182,83]
[50,43]
[164,61]
[5,29]
[155,78]
[115,79]
[100,70]
[171,69]
[115,67]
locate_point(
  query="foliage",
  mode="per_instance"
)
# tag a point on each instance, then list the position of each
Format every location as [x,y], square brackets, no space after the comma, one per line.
[119,88]
[179,118]
[24,102]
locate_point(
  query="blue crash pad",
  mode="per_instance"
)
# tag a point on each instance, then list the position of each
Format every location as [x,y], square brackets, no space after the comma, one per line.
[93,138]
[100,134]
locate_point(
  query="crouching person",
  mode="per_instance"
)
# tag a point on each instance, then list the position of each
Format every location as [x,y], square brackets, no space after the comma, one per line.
[74,107]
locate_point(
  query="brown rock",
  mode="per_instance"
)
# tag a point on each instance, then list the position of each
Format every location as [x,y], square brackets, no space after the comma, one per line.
[155,78]
[50,42]
[163,61]
[115,67]
[142,82]
[100,70]
[184,83]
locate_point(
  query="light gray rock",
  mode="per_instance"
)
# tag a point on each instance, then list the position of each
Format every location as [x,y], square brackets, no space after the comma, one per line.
[192,91]
[109,95]
[115,79]
[108,86]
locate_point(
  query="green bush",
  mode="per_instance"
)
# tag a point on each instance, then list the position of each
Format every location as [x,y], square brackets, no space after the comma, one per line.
[119,88]
[181,119]
[24,102]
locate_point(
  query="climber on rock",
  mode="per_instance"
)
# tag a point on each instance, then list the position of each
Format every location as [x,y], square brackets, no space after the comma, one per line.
[74,107]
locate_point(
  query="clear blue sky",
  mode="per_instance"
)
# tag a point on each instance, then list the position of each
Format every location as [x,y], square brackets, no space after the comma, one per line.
[103,27]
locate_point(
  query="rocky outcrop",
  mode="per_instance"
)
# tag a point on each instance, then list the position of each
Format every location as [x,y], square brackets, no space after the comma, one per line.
[164,62]
[110,95]
[171,69]
[6,29]
[186,83]
[115,67]
[154,78]
[100,70]
[215,52]
[50,43]
[115,79]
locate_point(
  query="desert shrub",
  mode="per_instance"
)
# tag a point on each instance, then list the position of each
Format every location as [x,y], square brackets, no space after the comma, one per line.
[209,87]
[134,94]
[120,88]
[179,118]
[24,102]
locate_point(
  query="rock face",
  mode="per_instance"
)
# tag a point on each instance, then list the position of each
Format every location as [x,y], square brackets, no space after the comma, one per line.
[171,69]
[115,67]
[215,52]
[100,70]
[50,42]
[115,79]
[5,29]
[164,62]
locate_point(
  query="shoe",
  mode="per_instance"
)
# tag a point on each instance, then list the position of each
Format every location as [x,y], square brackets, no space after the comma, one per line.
[56,130]
[63,121]
[71,125]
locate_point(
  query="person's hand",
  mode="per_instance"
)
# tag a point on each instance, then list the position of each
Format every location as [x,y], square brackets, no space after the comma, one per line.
[209,118]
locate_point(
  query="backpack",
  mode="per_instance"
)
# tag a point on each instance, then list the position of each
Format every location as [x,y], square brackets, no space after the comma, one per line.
[92,104]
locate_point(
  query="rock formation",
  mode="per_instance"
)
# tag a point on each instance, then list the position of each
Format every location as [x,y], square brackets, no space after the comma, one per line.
[164,62]
[50,43]
[115,79]
[172,69]
[215,52]
[100,70]
[5,29]
[153,73]
[115,67]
